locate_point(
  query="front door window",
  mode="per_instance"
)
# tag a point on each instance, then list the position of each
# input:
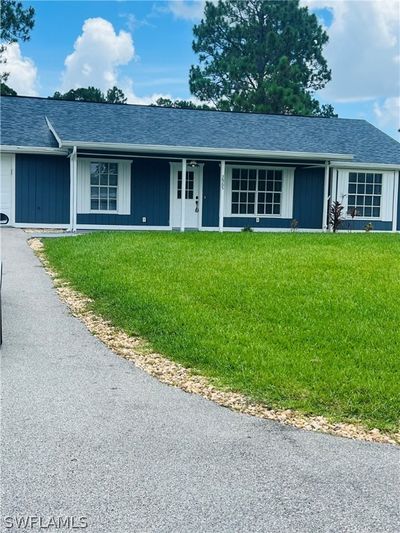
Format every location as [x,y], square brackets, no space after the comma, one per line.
[189,185]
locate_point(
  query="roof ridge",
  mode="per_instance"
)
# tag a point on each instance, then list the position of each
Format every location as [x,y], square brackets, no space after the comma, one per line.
[258,113]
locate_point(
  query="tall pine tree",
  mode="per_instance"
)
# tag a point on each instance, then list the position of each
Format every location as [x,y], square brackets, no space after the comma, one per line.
[262,56]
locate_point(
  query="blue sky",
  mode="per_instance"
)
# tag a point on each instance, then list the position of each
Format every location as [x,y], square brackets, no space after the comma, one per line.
[145,48]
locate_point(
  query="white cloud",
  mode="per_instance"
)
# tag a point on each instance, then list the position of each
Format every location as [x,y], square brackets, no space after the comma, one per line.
[388,113]
[98,52]
[186,9]
[363,49]
[22,70]
[127,87]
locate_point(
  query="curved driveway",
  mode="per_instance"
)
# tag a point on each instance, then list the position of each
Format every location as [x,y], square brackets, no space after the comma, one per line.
[85,433]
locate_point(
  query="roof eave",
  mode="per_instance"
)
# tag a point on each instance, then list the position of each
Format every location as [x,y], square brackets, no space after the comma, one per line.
[205,151]
[358,164]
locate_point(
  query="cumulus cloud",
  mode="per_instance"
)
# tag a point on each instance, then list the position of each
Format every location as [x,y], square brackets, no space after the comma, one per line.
[98,52]
[363,49]
[187,9]
[388,113]
[133,98]
[22,71]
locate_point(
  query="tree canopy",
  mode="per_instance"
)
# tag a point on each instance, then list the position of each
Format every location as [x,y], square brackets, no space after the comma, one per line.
[181,104]
[260,55]
[91,94]
[16,25]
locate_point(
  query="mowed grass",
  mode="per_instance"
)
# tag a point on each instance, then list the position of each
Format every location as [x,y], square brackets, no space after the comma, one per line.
[303,321]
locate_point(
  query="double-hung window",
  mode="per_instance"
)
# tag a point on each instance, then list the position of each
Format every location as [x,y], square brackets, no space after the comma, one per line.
[103,186]
[364,194]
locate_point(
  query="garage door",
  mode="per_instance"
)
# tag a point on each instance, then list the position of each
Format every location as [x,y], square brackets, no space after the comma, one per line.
[7,167]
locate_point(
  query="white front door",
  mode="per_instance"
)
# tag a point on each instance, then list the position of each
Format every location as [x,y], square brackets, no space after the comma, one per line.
[7,185]
[192,197]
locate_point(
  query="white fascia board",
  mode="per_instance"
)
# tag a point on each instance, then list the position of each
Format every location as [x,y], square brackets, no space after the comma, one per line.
[53,131]
[375,166]
[33,150]
[198,151]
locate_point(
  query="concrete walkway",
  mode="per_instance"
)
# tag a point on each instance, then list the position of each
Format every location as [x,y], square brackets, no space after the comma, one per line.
[85,433]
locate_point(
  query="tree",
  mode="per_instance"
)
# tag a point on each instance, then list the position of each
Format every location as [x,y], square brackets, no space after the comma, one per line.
[5,90]
[16,24]
[260,55]
[91,94]
[181,104]
[115,96]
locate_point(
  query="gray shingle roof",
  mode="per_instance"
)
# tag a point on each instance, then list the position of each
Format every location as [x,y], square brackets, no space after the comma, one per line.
[23,123]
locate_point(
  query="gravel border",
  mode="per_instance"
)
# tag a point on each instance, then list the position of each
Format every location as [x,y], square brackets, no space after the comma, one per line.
[136,350]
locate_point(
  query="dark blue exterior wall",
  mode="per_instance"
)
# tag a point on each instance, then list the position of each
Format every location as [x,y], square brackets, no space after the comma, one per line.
[307,204]
[377,225]
[398,205]
[150,192]
[242,222]
[41,189]
[308,197]
[211,177]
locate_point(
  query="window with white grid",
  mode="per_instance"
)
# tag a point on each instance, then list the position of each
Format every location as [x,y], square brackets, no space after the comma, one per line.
[256,191]
[364,194]
[103,186]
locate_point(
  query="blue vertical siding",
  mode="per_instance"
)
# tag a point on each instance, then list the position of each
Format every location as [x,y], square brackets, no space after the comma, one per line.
[307,204]
[398,205]
[308,197]
[150,192]
[41,189]
[211,177]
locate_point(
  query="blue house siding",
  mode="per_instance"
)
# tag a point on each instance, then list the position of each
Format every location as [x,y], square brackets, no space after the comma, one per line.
[308,197]
[150,193]
[398,205]
[41,189]
[242,222]
[211,177]
[307,204]
[377,225]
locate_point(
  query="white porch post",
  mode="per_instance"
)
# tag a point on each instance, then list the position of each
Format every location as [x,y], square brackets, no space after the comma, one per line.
[72,188]
[183,195]
[395,199]
[221,197]
[325,224]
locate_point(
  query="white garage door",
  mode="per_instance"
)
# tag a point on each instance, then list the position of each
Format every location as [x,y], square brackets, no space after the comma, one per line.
[7,167]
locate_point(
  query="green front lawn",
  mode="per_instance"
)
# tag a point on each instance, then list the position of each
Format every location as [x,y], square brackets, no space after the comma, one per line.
[303,321]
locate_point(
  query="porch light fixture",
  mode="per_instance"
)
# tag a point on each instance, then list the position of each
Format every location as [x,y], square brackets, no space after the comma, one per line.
[193,164]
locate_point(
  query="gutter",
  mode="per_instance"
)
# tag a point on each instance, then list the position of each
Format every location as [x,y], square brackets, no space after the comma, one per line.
[201,150]
[375,166]
[194,151]
[33,149]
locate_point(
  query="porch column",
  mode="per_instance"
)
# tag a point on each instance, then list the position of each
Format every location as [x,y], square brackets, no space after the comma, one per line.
[396,185]
[183,195]
[72,188]
[325,223]
[221,197]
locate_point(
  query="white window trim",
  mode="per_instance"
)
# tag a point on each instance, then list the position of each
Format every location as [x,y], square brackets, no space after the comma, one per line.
[286,193]
[388,185]
[123,187]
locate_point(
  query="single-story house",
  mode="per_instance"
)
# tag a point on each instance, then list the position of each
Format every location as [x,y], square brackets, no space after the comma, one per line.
[81,165]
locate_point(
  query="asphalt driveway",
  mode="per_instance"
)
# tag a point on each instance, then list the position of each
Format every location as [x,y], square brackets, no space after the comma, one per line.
[86,434]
